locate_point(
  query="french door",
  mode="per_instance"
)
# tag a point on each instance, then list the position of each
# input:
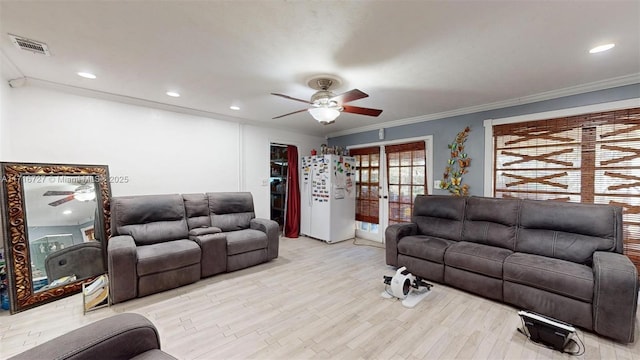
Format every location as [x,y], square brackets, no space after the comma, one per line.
[389,176]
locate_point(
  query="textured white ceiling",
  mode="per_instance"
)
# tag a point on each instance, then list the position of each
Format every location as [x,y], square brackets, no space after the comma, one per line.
[413,58]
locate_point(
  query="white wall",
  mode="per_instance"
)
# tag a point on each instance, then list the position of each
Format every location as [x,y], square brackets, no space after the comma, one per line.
[256,146]
[159,151]
[4,111]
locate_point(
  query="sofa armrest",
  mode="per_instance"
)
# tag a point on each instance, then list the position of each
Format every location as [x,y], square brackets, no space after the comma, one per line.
[272,229]
[205,230]
[615,296]
[122,336]
[392,235]
[123,275]
[214,253]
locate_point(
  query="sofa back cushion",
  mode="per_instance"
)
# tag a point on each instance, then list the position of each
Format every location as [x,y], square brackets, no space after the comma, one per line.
[196,207]
[491,221]
[231,211]
[439,215]
[149,219]
[568,231]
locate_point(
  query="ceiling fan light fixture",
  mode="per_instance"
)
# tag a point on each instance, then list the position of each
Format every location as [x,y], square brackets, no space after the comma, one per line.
[84,193]
[324,115]
[601,48]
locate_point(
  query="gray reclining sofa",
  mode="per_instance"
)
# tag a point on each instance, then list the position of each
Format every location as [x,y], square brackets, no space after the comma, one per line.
[161,242]
[122,336]
[563,260]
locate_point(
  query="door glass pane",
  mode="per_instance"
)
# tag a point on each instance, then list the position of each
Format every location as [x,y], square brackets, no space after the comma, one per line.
[394,175]
[364,193]
[418,190]
[405,158]
[405,212]
[364,161]
[394,210]
[419,157]
[418,175]
[375,160]
[393,159]
[364,175]
[405,194]
[405,175]
[394,193]
[375,172]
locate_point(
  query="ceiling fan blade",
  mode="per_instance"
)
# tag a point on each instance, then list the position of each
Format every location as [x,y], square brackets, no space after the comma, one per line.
[361,110]
[291,98]
[351,95]
[57,193]
[291,113]
[62,201]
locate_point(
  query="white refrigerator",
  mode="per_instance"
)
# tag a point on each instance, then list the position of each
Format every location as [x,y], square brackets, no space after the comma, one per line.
[327,197]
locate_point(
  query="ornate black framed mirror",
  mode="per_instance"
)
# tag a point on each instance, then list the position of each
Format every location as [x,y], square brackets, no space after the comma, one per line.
[55,221]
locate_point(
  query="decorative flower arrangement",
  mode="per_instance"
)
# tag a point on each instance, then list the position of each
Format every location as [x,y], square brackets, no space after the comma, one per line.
[457,166]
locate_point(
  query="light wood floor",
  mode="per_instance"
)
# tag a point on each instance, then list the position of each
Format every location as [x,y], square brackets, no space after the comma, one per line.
[314,301]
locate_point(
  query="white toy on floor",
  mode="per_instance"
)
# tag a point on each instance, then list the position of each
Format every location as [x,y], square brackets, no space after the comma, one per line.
[406,287]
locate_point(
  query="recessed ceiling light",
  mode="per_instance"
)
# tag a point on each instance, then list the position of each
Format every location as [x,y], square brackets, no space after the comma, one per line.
[601,48]
[86,75]
[67,212]
[233,107]
[173,94]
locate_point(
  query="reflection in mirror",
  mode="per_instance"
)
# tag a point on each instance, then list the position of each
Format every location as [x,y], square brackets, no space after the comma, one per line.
[60,216]
[53,218]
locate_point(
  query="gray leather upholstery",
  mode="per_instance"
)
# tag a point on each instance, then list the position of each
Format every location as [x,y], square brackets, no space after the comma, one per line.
[440,216]
[563,260]
[567,231]
[231,211]
[197,210]
[150,250]
[82,260]
[164,241]
[491,222]
[122,336]
[149,219]
[250,241]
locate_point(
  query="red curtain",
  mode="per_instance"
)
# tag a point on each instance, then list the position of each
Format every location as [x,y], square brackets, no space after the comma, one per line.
[292,217]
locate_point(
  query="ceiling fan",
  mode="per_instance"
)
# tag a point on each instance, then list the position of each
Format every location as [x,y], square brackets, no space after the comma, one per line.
[327,106]
[82,193]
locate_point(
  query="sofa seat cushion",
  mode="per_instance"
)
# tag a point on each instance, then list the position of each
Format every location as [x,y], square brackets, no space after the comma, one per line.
[242,241]
[166,256]
[554,275]
[424,247]
[482,259]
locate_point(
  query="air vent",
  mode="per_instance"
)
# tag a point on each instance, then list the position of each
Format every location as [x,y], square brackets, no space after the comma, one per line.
[30,45]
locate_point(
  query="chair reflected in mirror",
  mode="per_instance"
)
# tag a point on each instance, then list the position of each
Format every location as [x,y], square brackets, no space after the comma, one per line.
[78,261]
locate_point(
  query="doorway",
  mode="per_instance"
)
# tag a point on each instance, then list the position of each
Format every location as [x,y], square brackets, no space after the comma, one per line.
[389,176]
[279,170]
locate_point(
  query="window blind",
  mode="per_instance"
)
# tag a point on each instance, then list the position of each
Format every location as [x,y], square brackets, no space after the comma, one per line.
[367,183]
[592,158]
[406,166]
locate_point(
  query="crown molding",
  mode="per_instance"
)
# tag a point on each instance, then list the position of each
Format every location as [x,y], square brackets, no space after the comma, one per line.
[97,94]
[547,95]
[8,69]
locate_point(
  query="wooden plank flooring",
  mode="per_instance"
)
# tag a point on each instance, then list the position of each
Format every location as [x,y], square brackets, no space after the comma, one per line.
[316,301]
